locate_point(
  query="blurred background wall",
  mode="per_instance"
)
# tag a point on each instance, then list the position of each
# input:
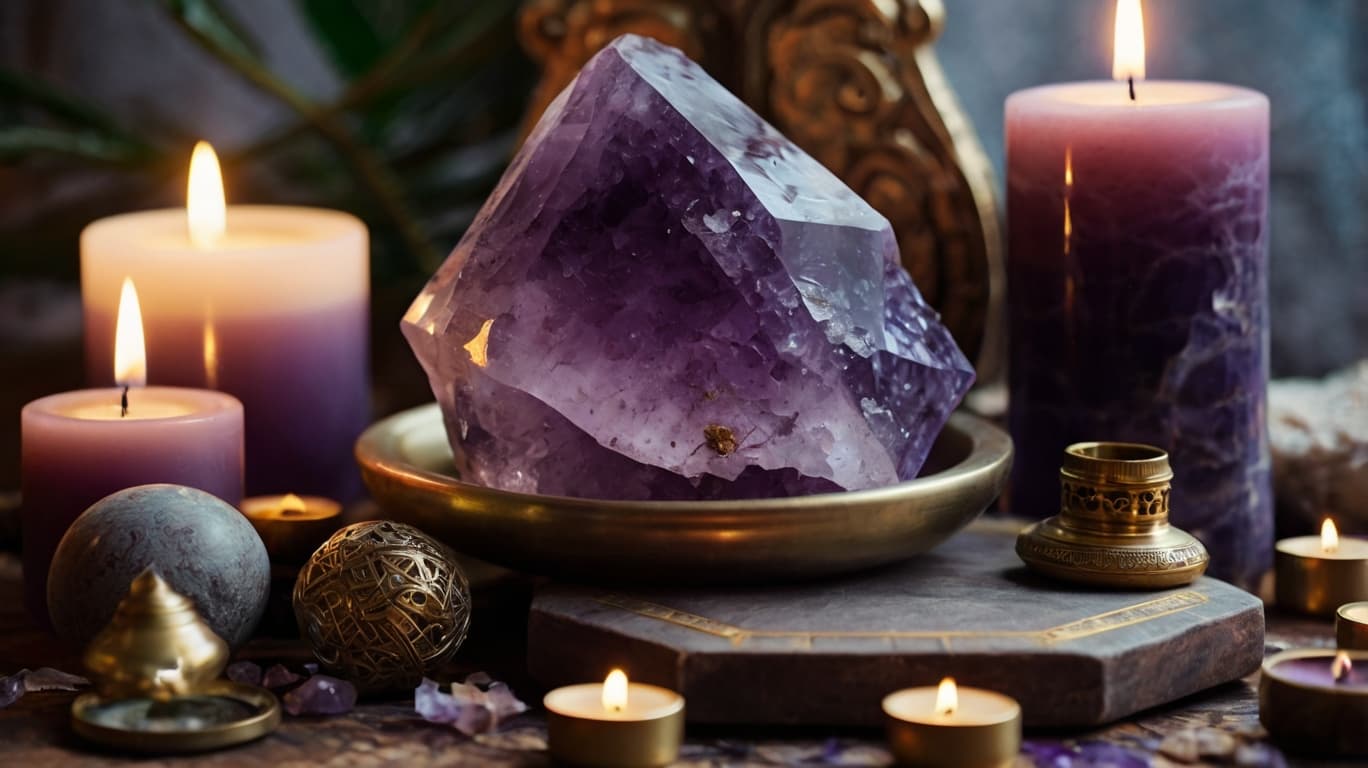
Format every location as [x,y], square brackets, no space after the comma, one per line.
[100,101]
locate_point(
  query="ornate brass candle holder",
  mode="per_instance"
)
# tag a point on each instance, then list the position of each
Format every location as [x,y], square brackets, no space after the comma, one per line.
[1112,529]
[156,689]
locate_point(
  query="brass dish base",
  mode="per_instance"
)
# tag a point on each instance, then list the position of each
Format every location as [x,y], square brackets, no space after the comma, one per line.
[93,719]
[407,464]
[1160,558]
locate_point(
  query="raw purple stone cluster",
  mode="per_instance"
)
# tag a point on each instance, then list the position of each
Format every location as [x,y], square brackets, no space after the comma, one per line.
[665,298]
[476,706]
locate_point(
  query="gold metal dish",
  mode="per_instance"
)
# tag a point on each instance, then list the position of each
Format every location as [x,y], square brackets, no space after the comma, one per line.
[132,724]
[407,464]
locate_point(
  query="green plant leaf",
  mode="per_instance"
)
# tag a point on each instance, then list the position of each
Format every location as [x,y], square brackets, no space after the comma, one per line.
[18,88]
[209,19]
[345,33]
[18,142]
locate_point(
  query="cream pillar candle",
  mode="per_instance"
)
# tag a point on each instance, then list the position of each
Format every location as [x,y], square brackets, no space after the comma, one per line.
[267,303]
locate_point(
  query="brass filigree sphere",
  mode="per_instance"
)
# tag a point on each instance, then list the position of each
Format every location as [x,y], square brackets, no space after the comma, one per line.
[1112,528]
[382,604]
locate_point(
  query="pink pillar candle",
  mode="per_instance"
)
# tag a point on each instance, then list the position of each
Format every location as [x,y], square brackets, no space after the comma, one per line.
[77,449]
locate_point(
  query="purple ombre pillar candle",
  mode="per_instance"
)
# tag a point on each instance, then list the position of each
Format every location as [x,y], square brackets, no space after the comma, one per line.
[270,306]
[1137,283]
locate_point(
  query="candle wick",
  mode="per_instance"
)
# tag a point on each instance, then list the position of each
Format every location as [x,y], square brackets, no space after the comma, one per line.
[123,402]
[1131,82]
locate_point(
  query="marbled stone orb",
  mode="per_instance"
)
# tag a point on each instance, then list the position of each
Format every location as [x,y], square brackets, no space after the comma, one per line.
[383,605]
[200,544]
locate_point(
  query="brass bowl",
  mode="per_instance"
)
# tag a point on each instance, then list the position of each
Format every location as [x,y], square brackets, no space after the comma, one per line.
[407,464]
[260,716]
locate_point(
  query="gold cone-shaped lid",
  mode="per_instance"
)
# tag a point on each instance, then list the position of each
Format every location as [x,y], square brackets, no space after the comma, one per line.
[156,645]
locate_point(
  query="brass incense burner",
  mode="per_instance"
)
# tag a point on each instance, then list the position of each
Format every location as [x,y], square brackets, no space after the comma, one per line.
[156,669]
[1112,528]
[156,645]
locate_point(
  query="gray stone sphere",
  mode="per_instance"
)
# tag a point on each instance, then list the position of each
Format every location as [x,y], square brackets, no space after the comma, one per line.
[204,548]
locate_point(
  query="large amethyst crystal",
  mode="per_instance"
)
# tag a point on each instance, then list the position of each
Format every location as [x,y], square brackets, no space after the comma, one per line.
[665,298]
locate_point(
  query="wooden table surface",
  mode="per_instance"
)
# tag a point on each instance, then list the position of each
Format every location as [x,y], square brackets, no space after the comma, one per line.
[35,732]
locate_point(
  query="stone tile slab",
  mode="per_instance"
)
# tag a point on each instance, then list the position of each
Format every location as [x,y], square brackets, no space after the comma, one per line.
[826,653]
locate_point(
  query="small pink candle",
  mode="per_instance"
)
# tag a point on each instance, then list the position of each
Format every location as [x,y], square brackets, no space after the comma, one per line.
[79,447]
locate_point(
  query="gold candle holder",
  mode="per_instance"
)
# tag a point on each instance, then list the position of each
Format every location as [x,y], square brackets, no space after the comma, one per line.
[1317,574]
[614,724]
[291,526]
[1112,528]
[1315,705]
[947,726]
[1351,626]
[155,668]
[155,646]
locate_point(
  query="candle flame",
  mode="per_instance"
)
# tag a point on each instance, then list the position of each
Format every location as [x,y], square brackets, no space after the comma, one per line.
[1329,537]
[205,208]
[130,353]
[615,691]
[947,697]
[291,504]
[1128,42]
[1342,667]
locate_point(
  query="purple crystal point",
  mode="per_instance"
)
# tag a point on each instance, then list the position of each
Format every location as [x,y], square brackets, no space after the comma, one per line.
[278,677]
[321,695]
[665,298]
[246,672]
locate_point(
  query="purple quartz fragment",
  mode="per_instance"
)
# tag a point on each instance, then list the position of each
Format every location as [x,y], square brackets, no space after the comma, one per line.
[49,679]
[278,677]
[321,695]
[245,672]
[11,688]
[468,708]
[666,298]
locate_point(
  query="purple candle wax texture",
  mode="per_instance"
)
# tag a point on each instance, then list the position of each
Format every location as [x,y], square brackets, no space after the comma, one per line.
[666,298]
[1137,282]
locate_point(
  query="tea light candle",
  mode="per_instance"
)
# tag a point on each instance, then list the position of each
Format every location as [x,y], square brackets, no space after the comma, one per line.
[1351,626]
[615,724]
[267,303]
[1316,701]
[79,447]
[1317,574]
[291,526]
[948,726]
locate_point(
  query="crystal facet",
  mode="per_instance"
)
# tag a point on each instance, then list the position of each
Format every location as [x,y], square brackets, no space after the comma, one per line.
[666,298]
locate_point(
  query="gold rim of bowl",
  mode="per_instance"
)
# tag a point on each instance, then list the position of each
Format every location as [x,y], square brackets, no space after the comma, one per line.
[407,464]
